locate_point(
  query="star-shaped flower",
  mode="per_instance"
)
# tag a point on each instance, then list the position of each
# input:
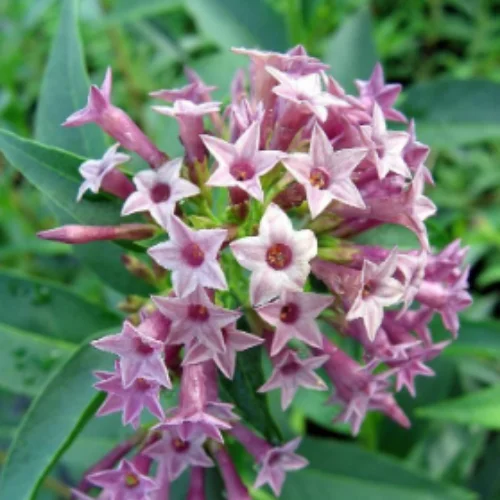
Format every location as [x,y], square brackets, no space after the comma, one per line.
[98,100]
[291,372]
[306,92]
[140,356]
[159,190]
[235,341]
[94,171]
[142,393]
[325,174]
[176,454]
[278,258]
[191,256]
[375,90]
[194,92]
[196,317]
[125,482]
[377,289]
[385,147]
[293,315]
[276,462]
[241,164]
[184,108]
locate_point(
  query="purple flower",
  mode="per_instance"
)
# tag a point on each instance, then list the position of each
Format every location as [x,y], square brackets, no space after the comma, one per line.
[190,118]
[377,289]
[291,372]
[115,122]
[305,92]
[159,190]
[142,393]
[235,341]
[126,482]
[140,356]
[195,413]
[191,256]
[196,317]
[375,90]
[276,462]
[235,489]
[278,258]
[385,147]
[241,164]
[325,174]
[358,391]
[293,315]
[99,173]
[176,454]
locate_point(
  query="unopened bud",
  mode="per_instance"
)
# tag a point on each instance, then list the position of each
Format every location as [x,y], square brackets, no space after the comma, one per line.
[75,234]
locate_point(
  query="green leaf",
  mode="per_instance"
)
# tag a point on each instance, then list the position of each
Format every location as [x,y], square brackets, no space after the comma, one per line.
[27,359]
[480,338]
[230,23]
[132,10]
[50,309]
[64,89]
[351,51]
[242,391]
[454,112]
[352,472]
[54,419]
[54,172]
[478,408]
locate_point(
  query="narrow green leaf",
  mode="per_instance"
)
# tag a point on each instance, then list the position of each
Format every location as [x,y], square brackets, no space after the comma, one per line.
[54,419]
[229,23]
[351,51]
[49,309]
[54,172]
[28,359]
[480,338]
[478,408]
[242,391]
[132,10]
[64,89]
[454,112]
[351,467]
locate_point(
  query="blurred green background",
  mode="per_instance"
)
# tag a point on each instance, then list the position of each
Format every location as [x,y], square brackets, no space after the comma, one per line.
[447,55]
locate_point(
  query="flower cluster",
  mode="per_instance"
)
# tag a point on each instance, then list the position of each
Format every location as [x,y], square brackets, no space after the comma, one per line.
[255,247]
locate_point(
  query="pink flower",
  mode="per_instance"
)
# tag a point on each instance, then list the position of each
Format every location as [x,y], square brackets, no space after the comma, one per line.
[386,147]
[195,413]
[375,90]
[291,372]
[196,317]
[278,258]
[190,118]
[306,92]
[176,454]
[415,153]
[142,393]
[325,174]
[293,316]
[241,164]
[194,92]
[235,341]
[358,390]
[276,462]
[159,190]
[115,122]
[377,289]
[191,256]
[100,172]
[140,356]
[126,482]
